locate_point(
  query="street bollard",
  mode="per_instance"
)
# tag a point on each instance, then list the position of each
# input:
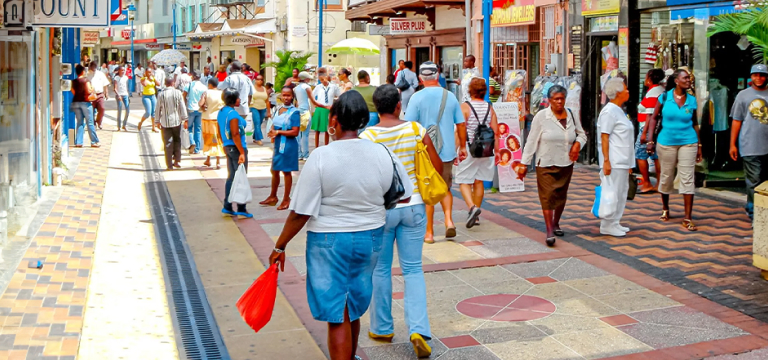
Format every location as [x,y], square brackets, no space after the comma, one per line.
[760,230]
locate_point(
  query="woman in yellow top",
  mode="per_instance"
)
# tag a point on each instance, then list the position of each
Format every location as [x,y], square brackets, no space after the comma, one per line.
[210,104]
[148,97]
[260,108]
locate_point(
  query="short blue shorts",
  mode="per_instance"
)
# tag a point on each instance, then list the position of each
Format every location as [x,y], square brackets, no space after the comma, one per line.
[641,151]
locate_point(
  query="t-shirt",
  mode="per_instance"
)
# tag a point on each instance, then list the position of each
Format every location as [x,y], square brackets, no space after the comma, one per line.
[182,80]
[195,91]
[614,122]
[402,141]
[367,92]
[497,88]
[122,85]
[99,81]
[344,193]
[244,86]
[160,76]
[751,107]
[148,89]
[224,117]
[424,108]
[408,76]
[677,122]
[302,99]
[648,105]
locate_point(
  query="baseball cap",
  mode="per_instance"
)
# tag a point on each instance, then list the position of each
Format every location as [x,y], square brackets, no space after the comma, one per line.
[304,75]
[428,68]
[759,69]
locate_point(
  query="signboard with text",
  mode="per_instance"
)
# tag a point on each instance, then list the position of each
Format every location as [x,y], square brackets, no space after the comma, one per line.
[407,26]
[80,13]
[521,12]
[242,41]
[600,7]
[90,37]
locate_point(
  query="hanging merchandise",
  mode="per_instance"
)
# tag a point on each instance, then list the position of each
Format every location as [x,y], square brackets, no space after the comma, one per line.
[514,90]
[542,84]
[651,54]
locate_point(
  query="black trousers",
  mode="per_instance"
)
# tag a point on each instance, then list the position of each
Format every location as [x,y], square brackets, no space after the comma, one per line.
[172,142]
[233,155]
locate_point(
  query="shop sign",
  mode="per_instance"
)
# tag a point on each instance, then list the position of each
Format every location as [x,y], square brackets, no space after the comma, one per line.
[90,37]
[153,46]
[126,33]
[521,12]
[624,49]
[12,13]
[600,7]
[407,26]
[604,23]
[184,47]
[121,20]
[72,13]
[242,41]
[197,46]
[299,31]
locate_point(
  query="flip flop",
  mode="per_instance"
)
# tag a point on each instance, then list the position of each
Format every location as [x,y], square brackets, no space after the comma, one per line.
[560,233]
[450,232]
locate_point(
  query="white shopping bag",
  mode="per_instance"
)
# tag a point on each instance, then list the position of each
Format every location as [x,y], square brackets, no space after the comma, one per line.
[241,189]
[185,144]
[608,199]
[249,125]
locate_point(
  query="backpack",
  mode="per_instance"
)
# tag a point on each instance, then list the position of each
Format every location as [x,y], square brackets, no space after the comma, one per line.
[482,144]
[404,84]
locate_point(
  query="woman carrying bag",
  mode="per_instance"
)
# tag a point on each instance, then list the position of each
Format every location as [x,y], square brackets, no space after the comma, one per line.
[677,143]
[406,224]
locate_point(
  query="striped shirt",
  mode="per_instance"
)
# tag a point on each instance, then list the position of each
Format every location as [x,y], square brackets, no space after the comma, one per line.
[401,140]
[170,108]
[481,107]
[497,88]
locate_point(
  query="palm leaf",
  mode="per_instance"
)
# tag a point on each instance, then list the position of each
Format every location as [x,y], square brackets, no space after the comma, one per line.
[287,61]
[752,23]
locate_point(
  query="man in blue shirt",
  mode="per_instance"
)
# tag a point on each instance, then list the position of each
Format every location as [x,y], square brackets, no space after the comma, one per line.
[425,107]
[192,94]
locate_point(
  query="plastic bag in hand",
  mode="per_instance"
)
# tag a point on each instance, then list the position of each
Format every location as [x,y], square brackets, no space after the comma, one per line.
[241,188]
[258,302]
[249,127]
[185,139]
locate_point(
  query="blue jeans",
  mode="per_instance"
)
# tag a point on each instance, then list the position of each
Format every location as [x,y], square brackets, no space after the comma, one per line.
[84,111]
[150,102]
[407,226]
[304,143]
[233,155]
[258,119]
[123,102]
[755,172]
[196,130]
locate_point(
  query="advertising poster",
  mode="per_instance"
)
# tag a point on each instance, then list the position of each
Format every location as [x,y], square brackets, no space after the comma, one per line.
[510,146]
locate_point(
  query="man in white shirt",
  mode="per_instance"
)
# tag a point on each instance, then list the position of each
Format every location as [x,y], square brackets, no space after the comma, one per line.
[178,70]
[469,72]
[192,94]
[182,80]
[617,157]
[100,85]
[244,86]
[406,81]
[159,76]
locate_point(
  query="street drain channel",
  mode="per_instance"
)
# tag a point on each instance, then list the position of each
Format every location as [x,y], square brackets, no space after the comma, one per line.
[197,334]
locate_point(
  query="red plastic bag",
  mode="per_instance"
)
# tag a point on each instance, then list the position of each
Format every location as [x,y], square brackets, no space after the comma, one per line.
[258,302]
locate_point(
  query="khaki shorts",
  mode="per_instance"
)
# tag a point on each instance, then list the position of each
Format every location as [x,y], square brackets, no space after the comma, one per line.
[680,159]
[447,173]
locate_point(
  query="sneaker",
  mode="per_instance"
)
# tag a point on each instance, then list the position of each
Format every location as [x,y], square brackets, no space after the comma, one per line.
[624,228]
[420,346]
[244,215]
[615,231]
[474,212]
[226,212]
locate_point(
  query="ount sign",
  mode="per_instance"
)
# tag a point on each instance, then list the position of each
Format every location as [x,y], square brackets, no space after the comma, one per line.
[72,13]
[407,26]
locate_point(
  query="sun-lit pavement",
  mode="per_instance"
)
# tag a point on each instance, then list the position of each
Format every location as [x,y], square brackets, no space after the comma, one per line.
[496,292]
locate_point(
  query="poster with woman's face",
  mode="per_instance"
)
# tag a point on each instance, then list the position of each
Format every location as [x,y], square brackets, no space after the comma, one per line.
[510,146]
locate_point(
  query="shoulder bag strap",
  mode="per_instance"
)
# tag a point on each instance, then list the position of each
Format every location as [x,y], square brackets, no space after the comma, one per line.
[473,110]
[442,107]
[488,113]
[416,131]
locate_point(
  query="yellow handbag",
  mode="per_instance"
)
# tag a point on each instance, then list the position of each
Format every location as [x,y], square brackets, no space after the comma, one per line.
[305,117]
[431,185]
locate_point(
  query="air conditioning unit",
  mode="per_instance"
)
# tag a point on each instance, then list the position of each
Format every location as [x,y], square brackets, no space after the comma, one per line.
[358,26]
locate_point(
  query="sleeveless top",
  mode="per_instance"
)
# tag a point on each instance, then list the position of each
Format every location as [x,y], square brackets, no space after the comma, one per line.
[481,107]
[214,103]
[259,99]
[80,85]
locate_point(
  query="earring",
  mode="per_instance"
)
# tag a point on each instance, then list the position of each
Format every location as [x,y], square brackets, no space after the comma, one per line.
[332,133]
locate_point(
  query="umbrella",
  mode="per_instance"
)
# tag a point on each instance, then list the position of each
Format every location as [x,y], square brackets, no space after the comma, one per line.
[354,46]
[168,57]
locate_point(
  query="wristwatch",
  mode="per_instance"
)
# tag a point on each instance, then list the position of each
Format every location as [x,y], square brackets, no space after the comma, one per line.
[279,251]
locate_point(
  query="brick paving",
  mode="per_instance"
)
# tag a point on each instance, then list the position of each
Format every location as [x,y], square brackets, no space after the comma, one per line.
[714,262]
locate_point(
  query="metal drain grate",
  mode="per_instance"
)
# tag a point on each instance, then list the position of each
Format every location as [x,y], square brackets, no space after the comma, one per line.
[197,334]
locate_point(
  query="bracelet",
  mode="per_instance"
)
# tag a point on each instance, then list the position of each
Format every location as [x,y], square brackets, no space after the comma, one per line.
[279,251]
[699,145]
[650,142]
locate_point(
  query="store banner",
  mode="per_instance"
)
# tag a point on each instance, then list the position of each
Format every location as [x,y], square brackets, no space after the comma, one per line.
[90,37]
[407,26]
[600,7]
[513,13]
[604,23]
[241,40]
[624,50]
[510,146]
[81,13]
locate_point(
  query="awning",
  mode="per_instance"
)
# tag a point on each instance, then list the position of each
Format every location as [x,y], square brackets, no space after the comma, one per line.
[235,27]
[135,42]
[391,8]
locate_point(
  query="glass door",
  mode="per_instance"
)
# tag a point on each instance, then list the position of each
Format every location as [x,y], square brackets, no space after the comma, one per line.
[451,58]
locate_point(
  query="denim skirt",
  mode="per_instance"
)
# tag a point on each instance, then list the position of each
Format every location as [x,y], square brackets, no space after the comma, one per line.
[339,273]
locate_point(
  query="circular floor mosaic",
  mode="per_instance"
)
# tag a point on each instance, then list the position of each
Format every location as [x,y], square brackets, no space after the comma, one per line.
[506,307]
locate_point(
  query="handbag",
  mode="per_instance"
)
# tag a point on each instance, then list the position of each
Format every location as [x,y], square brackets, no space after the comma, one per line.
[305,117]
[432,186]
[632,187]
[396,189]
[434,130]
[403,85]
[484,139]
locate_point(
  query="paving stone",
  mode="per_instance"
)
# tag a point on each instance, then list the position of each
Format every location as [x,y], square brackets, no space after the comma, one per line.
[563,324]
[585,307]
[664,336]
[498,332]
[684,316]
[576,269]
[473,352]
[402,351]
[440,279]
[639,300]
[601,343]
[484,275]
[555,292]
[603,285]
[448,251]
[504,287]
[544,348]
[536,268]
[495,248]
[760,354]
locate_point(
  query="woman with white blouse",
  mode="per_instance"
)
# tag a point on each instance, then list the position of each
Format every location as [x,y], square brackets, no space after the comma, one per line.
[617,157]
[556,138]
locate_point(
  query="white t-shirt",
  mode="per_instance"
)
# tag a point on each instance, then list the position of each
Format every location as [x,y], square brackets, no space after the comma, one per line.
[621,143]
[160,77]
[122,85]
[99,81]
[342,186]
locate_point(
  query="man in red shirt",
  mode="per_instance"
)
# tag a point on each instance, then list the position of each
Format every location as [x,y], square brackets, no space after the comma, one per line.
[644,111]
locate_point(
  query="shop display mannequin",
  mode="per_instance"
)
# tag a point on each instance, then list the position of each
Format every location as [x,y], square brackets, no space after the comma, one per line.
[611,56]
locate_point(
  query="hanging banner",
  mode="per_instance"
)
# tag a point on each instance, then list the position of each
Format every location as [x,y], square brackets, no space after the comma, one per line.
[600,7]
[510,146]
[624,50]
[523,12]
[81,13]
[407,26]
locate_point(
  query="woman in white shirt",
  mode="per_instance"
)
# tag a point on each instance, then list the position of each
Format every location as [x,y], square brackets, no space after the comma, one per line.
[122,97]
[617,157]
[406,224]
[340,197]
[556,138]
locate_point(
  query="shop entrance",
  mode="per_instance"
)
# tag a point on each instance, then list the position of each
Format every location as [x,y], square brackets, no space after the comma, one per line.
[422,56]
[601,65]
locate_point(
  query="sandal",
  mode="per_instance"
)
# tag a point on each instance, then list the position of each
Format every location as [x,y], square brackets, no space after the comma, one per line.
[664,215]
[688,224]
[551,241]
[450,232]
[284,205]
[270,201]
[559,233]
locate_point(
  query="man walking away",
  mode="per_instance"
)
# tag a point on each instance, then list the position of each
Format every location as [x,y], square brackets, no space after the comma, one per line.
[123,100]
[242,84]
[182,80]
[100,85]
[192,95]
[365,88]
[170,114]
[407,82]
[438,111]
[750,127]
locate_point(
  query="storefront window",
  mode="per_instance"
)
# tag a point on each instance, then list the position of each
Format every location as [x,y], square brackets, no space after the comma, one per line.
[451,58]
[18,179]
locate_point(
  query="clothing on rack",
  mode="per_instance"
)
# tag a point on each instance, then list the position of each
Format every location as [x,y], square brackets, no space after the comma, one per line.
[651,54]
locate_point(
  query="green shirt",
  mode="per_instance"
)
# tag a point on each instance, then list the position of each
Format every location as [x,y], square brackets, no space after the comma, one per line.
[367,92]
[497,87]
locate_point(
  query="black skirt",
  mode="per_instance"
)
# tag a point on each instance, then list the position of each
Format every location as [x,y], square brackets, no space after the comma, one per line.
[553,182]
